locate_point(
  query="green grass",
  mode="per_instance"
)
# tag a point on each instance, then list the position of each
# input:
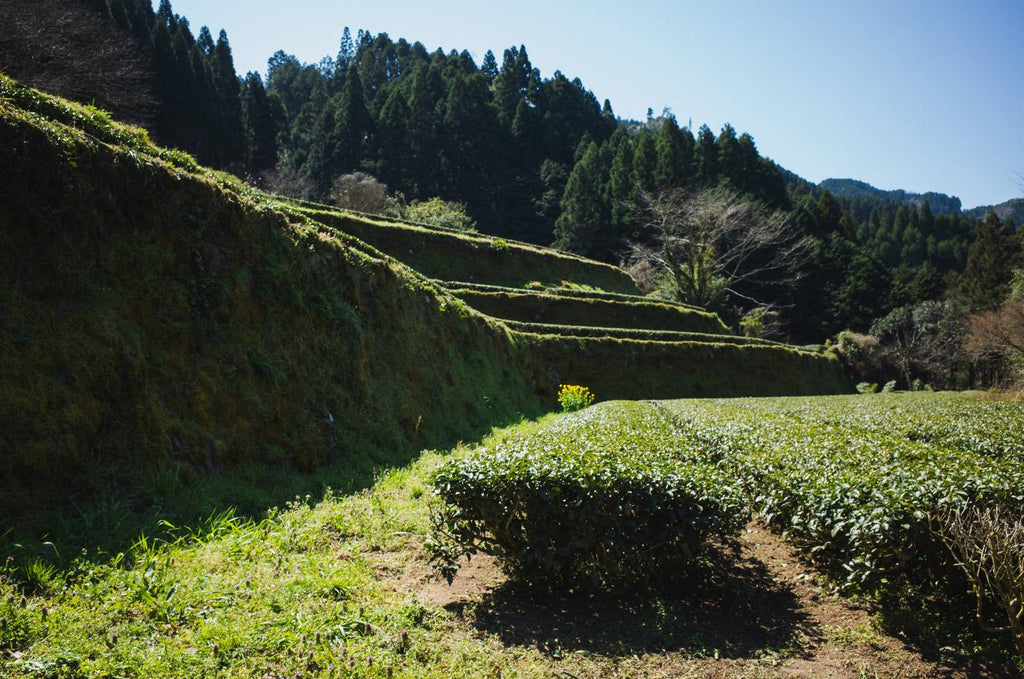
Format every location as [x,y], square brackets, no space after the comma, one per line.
[624,368]
[154,318]
[635,334]
[76,123]
[298,591]
[570,292]
[533,307]
[474,257]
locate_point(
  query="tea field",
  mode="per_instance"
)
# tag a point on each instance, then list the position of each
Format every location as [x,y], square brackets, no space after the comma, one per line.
[342,587]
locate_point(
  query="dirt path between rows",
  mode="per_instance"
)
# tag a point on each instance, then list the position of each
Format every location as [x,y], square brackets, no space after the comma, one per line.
[760,613]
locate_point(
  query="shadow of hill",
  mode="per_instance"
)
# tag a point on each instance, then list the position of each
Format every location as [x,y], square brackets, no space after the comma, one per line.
[111,507]
[729,605]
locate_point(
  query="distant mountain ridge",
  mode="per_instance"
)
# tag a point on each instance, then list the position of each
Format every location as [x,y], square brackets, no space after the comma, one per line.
[1011,209]
[940,203]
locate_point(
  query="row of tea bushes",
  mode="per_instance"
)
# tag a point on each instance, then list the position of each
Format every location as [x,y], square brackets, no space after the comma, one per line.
[843,477]
[857,499]
[945,419]
[609,495]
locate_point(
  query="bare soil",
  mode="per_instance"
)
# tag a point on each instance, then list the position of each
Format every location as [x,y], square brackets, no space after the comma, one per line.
[757,611]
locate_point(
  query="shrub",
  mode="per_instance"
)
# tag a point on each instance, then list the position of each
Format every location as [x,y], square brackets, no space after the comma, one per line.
[867,388]
[853,483]
[574,397]
[758,321]
[988,545]
[861,353]
[606,496]
[889,387]
[360,192]
[437,212]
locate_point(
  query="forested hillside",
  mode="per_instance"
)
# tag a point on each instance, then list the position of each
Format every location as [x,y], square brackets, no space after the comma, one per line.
[499,147]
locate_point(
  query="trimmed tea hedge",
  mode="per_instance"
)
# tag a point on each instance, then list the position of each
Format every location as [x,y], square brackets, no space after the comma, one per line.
[947,420]
[606,496]
[856,499]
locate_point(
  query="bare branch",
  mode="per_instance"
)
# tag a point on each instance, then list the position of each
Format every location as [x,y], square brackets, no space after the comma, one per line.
[988,545]
[714,243]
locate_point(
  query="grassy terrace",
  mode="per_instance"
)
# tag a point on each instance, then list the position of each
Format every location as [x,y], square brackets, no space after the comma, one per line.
[619,367]
[475,258]
[638,334]
[573,291]
[552,309]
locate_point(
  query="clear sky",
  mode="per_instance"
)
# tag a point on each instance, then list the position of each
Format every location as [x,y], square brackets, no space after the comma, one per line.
[909,94]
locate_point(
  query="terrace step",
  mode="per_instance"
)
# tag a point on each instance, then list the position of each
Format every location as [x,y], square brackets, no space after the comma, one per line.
[555,310]
[472,257]
[638,334]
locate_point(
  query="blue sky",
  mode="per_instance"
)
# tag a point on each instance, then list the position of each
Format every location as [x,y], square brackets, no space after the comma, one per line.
[902,94]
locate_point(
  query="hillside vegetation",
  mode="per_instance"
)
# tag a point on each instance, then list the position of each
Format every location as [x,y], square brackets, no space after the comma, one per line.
[156,314]
[160,316]
[543,161]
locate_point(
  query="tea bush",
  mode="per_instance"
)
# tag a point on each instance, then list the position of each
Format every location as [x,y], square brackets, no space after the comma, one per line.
[607,496]
[857,499]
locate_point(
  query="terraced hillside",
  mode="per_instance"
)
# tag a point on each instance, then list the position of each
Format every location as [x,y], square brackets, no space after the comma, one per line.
[154,312]
[585,321]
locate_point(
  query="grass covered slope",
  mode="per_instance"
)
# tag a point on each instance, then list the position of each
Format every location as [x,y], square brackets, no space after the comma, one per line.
[623,368]
[155,315]
[640,314]
[150,314]
[476,258]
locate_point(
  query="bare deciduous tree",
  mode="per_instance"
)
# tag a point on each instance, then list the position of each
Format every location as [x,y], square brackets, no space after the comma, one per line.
[360,192]
[998,337]
[713,244]
[988,545]
[67,49]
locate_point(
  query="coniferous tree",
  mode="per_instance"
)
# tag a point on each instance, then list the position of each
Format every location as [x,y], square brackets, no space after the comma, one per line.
[675,154]
[346,51]
[706,156]
[489,67]
[580,228]
[622,187]
[990,264]
[730,160]
[645,162]
[828,213]
[228,127]
[262,118]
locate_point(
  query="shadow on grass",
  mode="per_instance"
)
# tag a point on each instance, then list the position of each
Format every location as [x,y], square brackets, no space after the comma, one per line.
[941,627]
[112,507]
[728,606]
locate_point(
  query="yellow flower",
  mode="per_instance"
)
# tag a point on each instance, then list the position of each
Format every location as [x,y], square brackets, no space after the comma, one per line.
[574,397]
